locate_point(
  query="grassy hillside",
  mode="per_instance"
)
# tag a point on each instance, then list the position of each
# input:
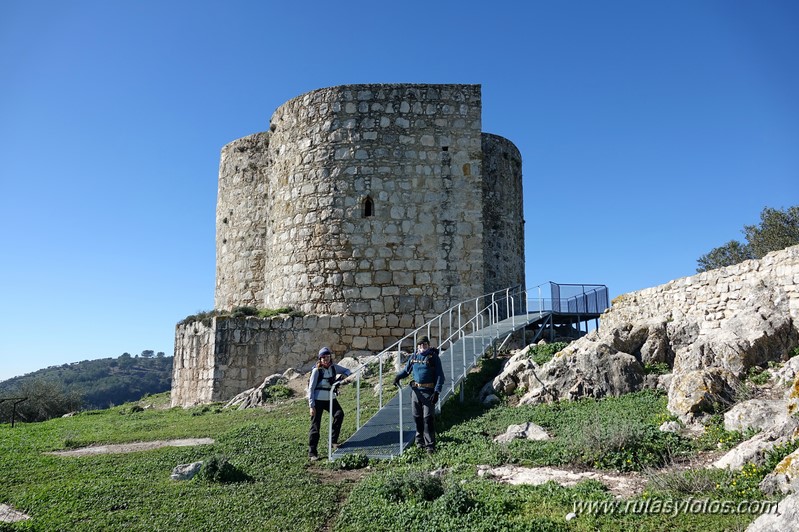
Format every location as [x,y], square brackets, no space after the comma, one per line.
[278,489]
[94,384]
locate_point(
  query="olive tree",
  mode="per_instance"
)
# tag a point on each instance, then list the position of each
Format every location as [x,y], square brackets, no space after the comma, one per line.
[778,229]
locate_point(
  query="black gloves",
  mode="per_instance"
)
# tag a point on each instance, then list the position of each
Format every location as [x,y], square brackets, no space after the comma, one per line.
[396,381]
[435,397]
[340,377]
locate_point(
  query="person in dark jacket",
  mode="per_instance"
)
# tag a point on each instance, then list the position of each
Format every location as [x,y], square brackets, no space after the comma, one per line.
[319,389]
[428,380]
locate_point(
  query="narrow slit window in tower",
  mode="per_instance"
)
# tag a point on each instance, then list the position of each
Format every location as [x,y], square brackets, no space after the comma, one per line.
[368,207]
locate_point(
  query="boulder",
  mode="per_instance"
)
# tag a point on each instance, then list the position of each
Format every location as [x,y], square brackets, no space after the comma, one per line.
[256,396]
[598,371]
[785,518]
[186,471]
[527,431]
[698,391]
[759,414]
[784,478]
[491,400]
[755,448]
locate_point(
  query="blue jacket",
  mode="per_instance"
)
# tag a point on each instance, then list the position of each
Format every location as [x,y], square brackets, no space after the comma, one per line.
[426,368]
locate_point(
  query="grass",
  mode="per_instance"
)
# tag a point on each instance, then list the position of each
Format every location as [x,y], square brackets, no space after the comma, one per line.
[262,479]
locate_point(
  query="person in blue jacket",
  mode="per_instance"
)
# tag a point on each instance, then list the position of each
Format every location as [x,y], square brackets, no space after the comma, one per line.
[428,379]
[324,374]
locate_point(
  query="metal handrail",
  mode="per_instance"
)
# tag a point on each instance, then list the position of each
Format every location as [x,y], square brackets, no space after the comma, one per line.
[496,306]
[492,309]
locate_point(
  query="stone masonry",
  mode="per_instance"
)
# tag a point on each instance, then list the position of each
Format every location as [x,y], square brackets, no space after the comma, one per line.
[369,208]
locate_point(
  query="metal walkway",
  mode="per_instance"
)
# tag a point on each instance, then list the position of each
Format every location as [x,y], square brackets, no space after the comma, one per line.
[380,436]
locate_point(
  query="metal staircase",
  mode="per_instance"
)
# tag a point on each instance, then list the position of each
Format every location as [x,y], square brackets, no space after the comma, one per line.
[464,333]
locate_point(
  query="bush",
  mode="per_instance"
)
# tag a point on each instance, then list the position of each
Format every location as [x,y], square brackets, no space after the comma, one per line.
[455,500]
[351,461]
[240,312]
[411,486]
[541,354]
[217,468]
[277,392]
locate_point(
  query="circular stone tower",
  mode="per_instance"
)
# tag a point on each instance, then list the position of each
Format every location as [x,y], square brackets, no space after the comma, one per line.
[370,200]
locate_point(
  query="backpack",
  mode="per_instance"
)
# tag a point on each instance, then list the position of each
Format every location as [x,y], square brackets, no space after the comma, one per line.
[320,371]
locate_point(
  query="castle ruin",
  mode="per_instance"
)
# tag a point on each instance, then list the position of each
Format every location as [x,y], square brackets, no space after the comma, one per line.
[370,209]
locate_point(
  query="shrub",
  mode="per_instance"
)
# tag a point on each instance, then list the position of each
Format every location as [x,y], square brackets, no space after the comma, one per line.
[656,368]
[716,437]
[541,354]
[455,500]
[351,461]
[240,312]
[757,375]
[277,392]
[411,486]
[217,468]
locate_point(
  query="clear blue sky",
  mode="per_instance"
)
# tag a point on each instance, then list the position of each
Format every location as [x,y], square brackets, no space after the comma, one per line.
[650,132]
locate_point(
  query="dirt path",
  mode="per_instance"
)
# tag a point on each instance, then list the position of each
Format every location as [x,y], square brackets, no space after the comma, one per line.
[132,447]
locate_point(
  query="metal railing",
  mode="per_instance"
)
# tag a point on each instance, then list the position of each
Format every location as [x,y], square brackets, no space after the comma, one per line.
[476,314]
[443,330]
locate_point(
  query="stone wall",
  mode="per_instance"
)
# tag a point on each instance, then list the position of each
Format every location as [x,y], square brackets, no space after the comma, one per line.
[692,322]
[710,329]
[217,358]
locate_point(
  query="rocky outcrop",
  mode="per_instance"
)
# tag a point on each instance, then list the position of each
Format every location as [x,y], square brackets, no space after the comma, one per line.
[710,329]
[571,375]
[785,518]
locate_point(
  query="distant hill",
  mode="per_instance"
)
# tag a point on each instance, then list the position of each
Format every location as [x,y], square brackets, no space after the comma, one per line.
[101,383]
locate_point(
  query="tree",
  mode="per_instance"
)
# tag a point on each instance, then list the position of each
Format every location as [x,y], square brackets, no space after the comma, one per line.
[730,253]
[777,230]
[46,399]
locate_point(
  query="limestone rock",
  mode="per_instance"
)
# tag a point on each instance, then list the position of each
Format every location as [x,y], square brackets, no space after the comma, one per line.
[528,431]
[761,414]
[255,396]
[784,478]
[186,471]
[785,518]
[755,448]
[491,400]
[699,391]
[670,426]
[591,371]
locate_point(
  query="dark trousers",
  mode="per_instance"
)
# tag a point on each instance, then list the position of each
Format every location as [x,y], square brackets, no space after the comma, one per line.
[316,421]
[424,410]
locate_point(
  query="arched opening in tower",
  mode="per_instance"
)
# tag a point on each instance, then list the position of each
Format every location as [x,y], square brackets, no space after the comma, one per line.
[368,207]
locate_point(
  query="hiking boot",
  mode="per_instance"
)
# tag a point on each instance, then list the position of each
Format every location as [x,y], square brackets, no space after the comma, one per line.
[430,450]
[312,456]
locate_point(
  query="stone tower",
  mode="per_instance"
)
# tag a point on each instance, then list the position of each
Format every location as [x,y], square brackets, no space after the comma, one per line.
[371,208]
[369,199]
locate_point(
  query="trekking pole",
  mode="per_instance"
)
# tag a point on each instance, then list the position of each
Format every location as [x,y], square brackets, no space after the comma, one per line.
[358,399]
[330,423]
[401,436]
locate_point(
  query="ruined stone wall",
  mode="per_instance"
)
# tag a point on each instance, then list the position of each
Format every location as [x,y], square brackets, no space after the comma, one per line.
[710,297]
[217,358]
